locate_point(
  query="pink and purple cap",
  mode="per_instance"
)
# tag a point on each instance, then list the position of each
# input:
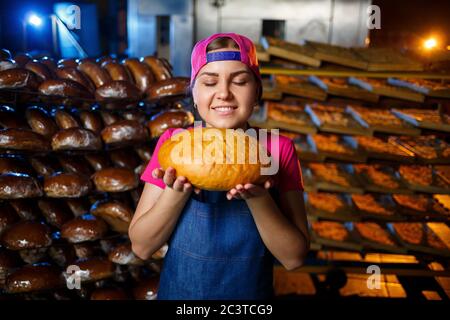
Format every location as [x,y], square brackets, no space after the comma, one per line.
[246,54]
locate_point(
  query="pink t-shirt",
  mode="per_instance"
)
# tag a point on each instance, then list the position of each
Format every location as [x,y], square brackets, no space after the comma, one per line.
[288,178]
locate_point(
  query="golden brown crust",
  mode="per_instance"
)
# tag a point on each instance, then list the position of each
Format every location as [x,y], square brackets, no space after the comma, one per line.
[18,78]
[174,118]
[86,228]
[66,185]
[39,69]
[91,120]
[158,67]
[124,132]
[94,72]
[177,86]
[64,88]
[76,139]
[34,278]
[213,173]
[115,180]
[21,139]
[26,235]
[16,186]
[72,73]
[117,71]
[40,122]
[142,74]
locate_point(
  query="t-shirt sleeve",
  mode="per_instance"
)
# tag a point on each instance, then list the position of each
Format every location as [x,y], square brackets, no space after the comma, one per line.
[290,174]
[154,163]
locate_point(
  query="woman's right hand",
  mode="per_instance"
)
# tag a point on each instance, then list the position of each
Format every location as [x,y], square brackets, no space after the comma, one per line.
[180,184]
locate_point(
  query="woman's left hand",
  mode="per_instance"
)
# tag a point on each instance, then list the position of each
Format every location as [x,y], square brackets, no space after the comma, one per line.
[249,190]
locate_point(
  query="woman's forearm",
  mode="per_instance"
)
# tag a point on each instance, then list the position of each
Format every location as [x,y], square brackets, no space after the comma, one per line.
[283,239]
[152,230]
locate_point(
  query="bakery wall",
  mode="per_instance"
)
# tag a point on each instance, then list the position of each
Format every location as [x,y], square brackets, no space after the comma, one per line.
[338,22]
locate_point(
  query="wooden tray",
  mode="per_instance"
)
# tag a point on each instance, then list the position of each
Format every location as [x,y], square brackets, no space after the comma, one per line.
[339,87]
[426,87]
[433,188]
[345,213]
[423,246]
[346,171]
[291,51]
[414,117]
[289,117]
[371,186]
[440,147]
[386,59]
[339,55]
[433,210]
[299,86]
[348,244]
[385,201]
[381,120]
[396,248]
[352,152]
[399,153]
[381,88]
[319,113]
[306,151]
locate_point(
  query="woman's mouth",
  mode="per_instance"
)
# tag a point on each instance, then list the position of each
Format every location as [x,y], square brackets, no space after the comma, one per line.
[224,110]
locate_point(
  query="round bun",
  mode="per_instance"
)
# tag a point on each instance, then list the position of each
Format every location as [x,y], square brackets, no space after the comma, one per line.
[40,122]
[76,139]
[84,228]
[117,214]
[171,87]
[22,139]
[34,278]
[122,254]
[173,118]
[66,185]
[17,185]
[26,235]
[95,269]
[115,180]
[124,132]
[236,162]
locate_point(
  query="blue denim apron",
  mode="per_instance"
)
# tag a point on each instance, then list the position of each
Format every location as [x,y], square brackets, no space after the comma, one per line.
[216,252]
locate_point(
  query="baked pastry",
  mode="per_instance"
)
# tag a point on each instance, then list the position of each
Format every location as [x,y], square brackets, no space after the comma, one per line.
[374,232]
[330,202]
[116,71]
[115,180]
[373,204]
[172,118]
[382,177]
[95,73]
[34,278]
[66,185]
[177,86]
[84,228]
[428,147]
[330,230]
[124,132]
[76,139]
[142,74]
[330,172]
[73,74]
[117,214]
[236,159]
[40,122]
[22,139]
[17,185]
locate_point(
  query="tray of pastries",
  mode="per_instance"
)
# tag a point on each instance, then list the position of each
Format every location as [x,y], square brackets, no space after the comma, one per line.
[332,206]
[379,178]
[425,118]
[382,120]
[376,206]
[289,117]
[382,88]
[333,234]
[387,59]
[424,178]
[338,55]
[375,236]
[378,148]
[339,86]
[421,207]
[337,147]
[305,150]
[335,119]
[431,88]
[428,149]
[299,86]
[291,51]
[270,91]
[419,237]
[334,177]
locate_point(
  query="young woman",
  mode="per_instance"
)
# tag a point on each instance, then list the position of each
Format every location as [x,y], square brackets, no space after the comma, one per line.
[222,245]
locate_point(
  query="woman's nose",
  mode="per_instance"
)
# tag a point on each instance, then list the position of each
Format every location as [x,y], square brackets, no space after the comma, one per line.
[224,92]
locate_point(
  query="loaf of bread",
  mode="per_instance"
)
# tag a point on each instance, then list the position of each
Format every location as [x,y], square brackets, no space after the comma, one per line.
[214,162]
[34,278]
[159,69]
[76,139]
[117,214]
[84,228]
[115,180]
[18,78]
[65,120]
[91,120]
[72,73]
[21,139]
[64,88]
[124,132]
[173,118]
[40,122]
[118,94]
[116,71]
[39,69]
[17,185]
[97,74]
[142,74]
[177,86]
[66,185]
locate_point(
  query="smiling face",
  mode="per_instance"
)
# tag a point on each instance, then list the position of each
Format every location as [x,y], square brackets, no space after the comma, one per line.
[225,93]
